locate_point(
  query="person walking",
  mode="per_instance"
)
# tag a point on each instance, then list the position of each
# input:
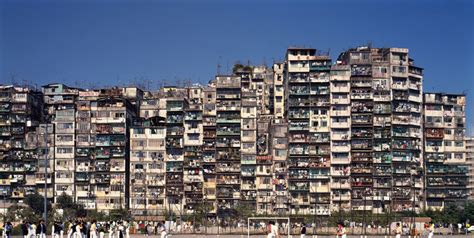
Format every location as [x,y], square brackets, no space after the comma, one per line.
[41,230]
[32,230]
[162,229]
[303,230]
[341,231]
[431,230]
[93,229]
[56,229]
[8,229]
[398,231]
[69,229]
[77,231]
[272,230]
[25,229]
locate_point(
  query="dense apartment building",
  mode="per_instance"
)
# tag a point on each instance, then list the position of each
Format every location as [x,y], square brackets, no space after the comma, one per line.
[446,170]
[307,107]
[385,129]
[20,115]
[307,136]
[228,142]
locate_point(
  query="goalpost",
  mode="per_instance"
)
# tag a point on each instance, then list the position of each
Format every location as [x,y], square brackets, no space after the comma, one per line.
[287,219]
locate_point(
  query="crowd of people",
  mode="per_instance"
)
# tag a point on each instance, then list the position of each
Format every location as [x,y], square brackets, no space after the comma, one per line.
[122,229]
[82,229]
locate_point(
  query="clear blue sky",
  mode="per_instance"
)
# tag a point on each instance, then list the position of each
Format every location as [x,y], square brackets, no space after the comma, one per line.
[113,42]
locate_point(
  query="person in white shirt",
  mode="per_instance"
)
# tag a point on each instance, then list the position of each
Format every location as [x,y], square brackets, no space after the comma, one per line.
[111,230]
[32,231]
[272,230]
[93,229]
[431,230]
[162,230]
[127,230]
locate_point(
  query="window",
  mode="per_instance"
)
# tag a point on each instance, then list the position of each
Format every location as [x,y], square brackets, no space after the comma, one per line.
[193,136]
[119,115]
[280,153]
[155,142]
[138,131]
[82,138]
[63,150]
[247,133]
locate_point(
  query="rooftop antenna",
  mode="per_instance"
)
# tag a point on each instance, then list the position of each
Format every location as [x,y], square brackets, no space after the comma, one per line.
[227,70]
[219,65]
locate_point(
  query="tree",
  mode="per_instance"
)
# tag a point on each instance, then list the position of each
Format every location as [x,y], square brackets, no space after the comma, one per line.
[244,211]
[468,212]
[451,214]
[96,215]
[118,214]
[36,202]
[65,201]
[69,207]
[21,213]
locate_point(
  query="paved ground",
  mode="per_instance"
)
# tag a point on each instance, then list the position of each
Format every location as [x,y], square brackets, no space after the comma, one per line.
[297,236]
[294,236]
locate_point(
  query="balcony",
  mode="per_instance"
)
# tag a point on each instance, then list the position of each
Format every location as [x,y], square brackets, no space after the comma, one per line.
[338,148]
[298,78]
[297,126]
[339,124]
[340,135]
[318,188]
[415,70]
[299,186]
[228,131]
[380,72]
[298,114]
[362,107]
[320,66]
[299,90]
[227,120]
[319,77]
[174,119]
[361,70]
[299,102]
[357,95]
[432,133]
[193,117]
[400,85]
[340,100]
[339,185]
[340,88]
[399,71]
[340,197]
[361,119]
[175,106]
[415,98]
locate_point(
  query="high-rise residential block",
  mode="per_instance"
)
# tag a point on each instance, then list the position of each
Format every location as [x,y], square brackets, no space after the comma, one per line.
[446,171]
[306,136]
